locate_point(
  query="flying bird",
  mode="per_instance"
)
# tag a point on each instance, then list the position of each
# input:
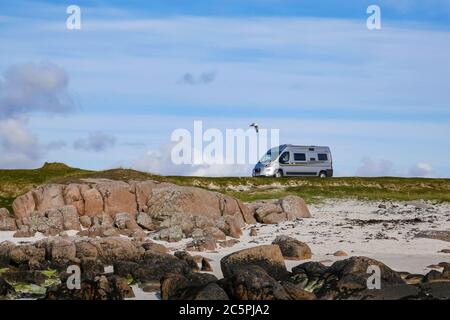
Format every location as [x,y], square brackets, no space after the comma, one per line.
[256,126]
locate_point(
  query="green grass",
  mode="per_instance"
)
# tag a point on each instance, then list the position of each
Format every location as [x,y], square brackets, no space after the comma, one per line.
[312,189]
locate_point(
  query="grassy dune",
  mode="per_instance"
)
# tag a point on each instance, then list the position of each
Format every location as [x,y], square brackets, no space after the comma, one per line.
[17,182]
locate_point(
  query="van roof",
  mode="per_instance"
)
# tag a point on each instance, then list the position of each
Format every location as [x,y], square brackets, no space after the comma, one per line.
[298,146]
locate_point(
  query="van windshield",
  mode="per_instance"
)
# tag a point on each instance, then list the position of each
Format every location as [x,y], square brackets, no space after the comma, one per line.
[271,155]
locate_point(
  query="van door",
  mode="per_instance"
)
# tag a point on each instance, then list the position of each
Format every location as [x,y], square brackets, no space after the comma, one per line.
[312,168]
[285,160]
[299,163]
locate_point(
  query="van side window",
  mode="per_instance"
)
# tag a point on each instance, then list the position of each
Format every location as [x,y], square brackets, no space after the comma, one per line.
[299,157]
[284,158]
[322,157]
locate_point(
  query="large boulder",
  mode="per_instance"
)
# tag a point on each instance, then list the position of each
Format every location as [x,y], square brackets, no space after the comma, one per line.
[251,282]
[352,273]
[292,249]
[24,205]
[268,257]
[7,222]
[118,197]
[48,196]
[189,286]
[276,211]
[71,220]
[72,196]
[101,287]
[93,202]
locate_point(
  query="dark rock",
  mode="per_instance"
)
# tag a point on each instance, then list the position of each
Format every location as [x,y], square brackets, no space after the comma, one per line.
[296,292]
[5,288]
[212,291]
[185,287]
[183,255]
[206,266]
[389,292]
[251,282]
[268,257]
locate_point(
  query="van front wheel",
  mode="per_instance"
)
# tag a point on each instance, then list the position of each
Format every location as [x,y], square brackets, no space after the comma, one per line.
[279,174]
[322,174]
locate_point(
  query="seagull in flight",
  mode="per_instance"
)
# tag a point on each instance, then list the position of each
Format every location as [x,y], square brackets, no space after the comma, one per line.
[256,126]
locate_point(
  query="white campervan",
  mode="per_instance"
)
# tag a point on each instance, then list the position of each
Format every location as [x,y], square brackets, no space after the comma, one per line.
[291,160]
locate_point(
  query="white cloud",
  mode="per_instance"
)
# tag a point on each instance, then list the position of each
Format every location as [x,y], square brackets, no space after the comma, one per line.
[96,141]
[34,87]
[421,169]
[25,89]
[371,168]
[159,161]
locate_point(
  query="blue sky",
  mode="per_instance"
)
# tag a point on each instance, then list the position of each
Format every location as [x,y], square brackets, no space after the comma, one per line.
[310,68]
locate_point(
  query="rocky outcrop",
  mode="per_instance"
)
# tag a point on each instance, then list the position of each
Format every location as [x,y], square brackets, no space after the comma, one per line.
[268,257]
[276,211]
[175,211]
[7,222]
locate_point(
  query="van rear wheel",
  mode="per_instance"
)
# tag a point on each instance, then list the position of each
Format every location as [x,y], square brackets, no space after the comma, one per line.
[322,174]
[279,174]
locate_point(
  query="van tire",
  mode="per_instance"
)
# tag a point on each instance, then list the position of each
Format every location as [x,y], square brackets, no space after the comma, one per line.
[279,174]
[322,174]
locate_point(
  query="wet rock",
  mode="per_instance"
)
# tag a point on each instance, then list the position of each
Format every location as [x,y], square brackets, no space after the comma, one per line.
[5,288]
[251,282]
[115,249]
[153,267]
[389,292]
[24,253]
[434,276]
[435,290]
[185,287]
[212,291]
[268,257]
[293,249]
[296,292]
[206,266]
[352,273]
[99,288]
[185,256]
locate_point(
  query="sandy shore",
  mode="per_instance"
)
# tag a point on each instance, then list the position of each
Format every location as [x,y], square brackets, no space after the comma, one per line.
[360,228]
[384,231]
